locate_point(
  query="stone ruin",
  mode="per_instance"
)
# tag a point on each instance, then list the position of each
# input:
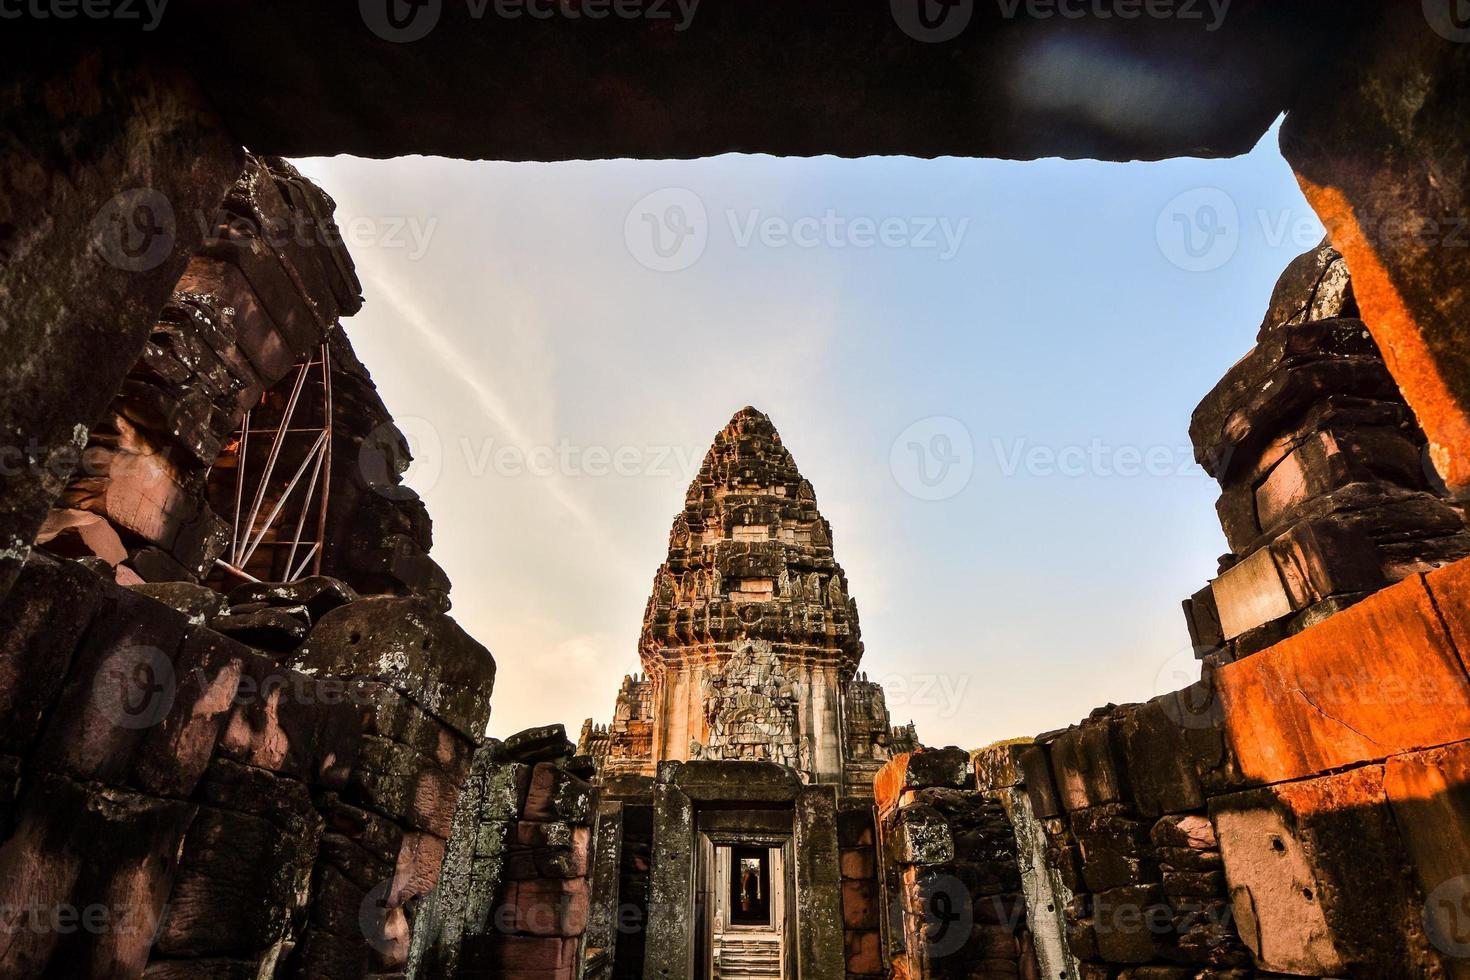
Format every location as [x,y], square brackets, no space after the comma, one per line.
[242,736]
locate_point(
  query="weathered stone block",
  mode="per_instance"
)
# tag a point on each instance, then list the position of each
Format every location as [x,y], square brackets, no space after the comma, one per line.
[42,620]
[1380,677]
[864,957]
[409,645]
[1315,877]
[1163,772]
[557,795]
[859,863]
[1129,923]
[90,869]
[860,905]
[244,872]
[1429,793]
[404,786]
[1114,848]
[546,907]
[289,722]
[922,836]
[918,770]
[545,744]
[1085,763]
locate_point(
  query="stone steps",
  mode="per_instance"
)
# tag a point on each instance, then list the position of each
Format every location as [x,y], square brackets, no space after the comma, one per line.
[749,959]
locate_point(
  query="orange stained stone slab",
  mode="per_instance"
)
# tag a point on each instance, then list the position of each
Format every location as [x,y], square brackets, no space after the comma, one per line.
[1380,678]
[1429,385]
[1450,588]
[890,782]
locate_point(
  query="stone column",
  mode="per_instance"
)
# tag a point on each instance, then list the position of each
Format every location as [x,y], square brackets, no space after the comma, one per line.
[820,942]
[670,948]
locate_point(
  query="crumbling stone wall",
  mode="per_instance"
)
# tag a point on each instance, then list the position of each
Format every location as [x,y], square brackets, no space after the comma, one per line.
[1328,494]
[183,803]
[513,902]
[1299,809]
[254,779]
[951,872]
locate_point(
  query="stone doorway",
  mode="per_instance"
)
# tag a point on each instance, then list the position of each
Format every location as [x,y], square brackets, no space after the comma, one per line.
[711,816]
[749,914]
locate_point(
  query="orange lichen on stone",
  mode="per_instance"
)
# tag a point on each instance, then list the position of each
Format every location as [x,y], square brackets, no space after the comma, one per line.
[1380,678]
[1399,336]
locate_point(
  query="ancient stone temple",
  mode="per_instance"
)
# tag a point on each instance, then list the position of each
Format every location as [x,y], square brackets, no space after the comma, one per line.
[751,642]
[242,737]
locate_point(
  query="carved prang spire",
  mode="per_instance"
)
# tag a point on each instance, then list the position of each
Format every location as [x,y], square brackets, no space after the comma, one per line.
[750,557]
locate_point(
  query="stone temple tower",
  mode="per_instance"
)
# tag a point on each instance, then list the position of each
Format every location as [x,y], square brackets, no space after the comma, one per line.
[750,642]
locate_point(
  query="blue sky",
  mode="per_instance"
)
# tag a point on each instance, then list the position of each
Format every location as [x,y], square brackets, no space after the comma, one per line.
[1043,327]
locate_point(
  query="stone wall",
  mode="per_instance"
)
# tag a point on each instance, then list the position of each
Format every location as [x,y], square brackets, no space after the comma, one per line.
[1298,810]
[185,804]
[950,872]
[514,899]
[1328,493]
[207,775]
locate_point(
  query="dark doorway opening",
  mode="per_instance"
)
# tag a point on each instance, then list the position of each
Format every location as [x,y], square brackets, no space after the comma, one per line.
[750,886]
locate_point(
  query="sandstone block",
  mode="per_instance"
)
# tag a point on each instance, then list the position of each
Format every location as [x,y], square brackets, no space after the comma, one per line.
[244,873]
[89,869]
[864,957]
[921,836]
[1085,763]
[409,645]
[549,907]
[1380,677]
[1315,879]
[404,786]
[544,744]
[859,864]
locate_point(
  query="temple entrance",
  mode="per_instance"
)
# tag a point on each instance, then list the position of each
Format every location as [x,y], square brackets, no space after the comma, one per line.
[742,904]
[749,914]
